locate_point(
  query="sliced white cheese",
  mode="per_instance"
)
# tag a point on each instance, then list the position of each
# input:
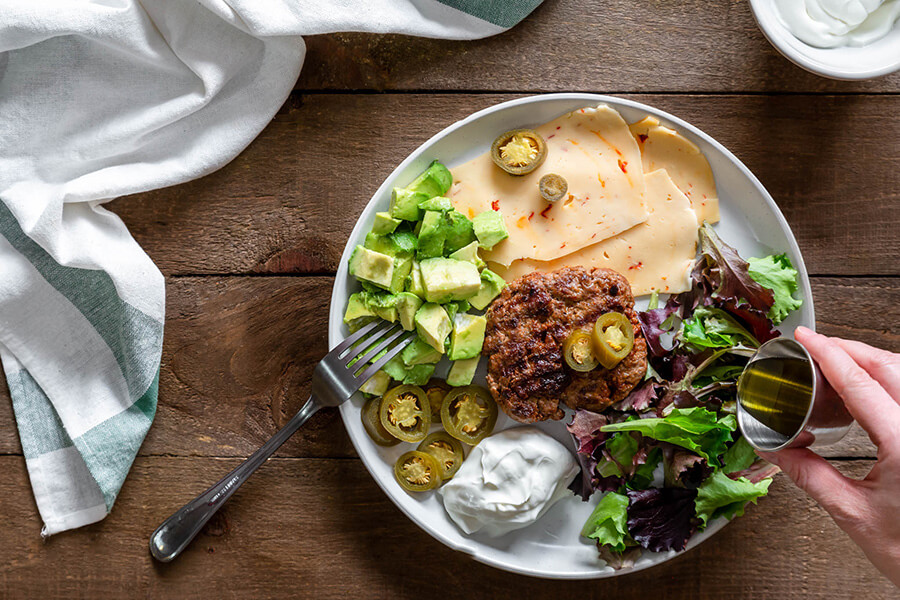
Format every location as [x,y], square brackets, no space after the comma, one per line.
[655,255]
[664,148]
[593,149]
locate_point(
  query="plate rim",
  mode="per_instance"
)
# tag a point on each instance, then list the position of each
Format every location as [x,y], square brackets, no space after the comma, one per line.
[337,303]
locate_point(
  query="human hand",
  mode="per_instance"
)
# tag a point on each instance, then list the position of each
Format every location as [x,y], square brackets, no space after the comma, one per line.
[868,380]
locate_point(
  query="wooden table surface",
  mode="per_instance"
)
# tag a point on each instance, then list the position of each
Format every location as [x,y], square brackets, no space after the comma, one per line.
[249,255]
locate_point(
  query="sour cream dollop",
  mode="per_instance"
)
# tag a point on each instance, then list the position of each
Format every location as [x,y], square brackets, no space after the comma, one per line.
[508,481]
[833,23]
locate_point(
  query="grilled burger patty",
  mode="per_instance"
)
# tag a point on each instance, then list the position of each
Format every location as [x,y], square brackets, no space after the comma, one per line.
[526,328]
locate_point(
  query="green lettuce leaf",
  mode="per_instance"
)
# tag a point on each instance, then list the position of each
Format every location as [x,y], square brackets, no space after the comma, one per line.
[608,523]
[715,328]
[739,457]
[695,428]
[722,496]
[776,273]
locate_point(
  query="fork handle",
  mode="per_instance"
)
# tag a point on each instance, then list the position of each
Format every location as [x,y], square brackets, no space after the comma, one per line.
[177,531]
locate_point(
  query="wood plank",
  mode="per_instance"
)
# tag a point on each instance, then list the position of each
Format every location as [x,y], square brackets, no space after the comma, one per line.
[322,529]
[629,45]
[239,353]
[323,157]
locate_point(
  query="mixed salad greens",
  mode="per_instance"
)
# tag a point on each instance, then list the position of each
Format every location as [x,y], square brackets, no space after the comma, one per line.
[683,415]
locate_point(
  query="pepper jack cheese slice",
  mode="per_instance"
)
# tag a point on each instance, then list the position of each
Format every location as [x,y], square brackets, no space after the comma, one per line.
[655,255]
[593,149]
[664,148]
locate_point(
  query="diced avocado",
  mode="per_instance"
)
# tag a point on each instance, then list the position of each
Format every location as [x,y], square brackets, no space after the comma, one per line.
[490,229]
[384,223]
[462,371]
[418,374]
[431,235]
[469,254]
[384,305]
[446,279]
[414,283]
[372,266]
[377,384]
[357,324]
[407,305]
[435,181]
[405,240]
[491,286]
[405,204]
[420,353]
[458,231]
[452,308]
[384,244]
[467,336]
[395,368]
[463,305]
[402,267]
[433,325]
[368,286]
[438,203]
[357,308]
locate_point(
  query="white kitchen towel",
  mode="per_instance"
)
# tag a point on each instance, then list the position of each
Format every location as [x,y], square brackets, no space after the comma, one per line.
[101,98]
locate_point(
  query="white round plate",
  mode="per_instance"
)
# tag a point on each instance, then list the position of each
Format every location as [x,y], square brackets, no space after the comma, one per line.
[551,547]
[881,57]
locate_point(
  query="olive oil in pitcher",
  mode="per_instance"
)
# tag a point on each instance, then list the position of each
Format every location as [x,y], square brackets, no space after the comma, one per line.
[777,391]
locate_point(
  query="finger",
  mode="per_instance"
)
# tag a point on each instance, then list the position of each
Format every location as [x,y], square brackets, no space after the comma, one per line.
[815,476]
[867,401]
[882,365]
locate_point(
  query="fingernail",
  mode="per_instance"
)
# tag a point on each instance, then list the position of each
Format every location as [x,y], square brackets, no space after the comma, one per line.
[804,331]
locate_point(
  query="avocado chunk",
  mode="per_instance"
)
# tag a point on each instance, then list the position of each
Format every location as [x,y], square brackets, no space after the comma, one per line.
[420,353]
[469,254]
[357,307]
[452,308]
[384,223]
[446,279]
[438,203]
[433,325]
[435,181]
[402,267]
[407,305]
[384,244]
[462,371]
[431,235]
[467,336]
[459,231]
[405,204]
[395,368]
[491,286]
[490,229]
[414,284]
[418,374]
[405,241]
[377,385]
[372,266]
[384,305]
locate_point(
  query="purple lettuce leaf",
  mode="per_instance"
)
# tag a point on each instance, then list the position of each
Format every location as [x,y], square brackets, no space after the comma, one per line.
[652,328]
[756,320]
[661,519]
[585,428]
[730,274]
[641,398]
[683,468]
[756,472]
[616,560]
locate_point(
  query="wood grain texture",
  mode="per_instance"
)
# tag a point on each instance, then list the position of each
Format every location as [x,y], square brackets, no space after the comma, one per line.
[288,203]
[239,353]
[321,528]
[629,45]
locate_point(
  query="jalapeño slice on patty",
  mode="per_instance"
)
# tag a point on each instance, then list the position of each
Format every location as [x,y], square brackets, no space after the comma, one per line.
[578,352]
[613,338]
[406,413]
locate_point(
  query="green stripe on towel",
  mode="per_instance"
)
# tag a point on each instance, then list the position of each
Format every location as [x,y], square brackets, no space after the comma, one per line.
[503,13]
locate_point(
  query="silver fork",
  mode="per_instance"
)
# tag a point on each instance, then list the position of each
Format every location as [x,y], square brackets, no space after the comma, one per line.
[335,379]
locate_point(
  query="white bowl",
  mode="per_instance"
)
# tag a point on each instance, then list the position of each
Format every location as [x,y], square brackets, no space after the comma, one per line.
[849,63]
[551,547]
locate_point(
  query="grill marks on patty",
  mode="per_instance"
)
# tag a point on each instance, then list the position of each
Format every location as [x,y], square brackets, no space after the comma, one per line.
[527,326]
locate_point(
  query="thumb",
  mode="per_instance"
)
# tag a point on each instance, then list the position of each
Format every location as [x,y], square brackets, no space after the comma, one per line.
[815,476]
